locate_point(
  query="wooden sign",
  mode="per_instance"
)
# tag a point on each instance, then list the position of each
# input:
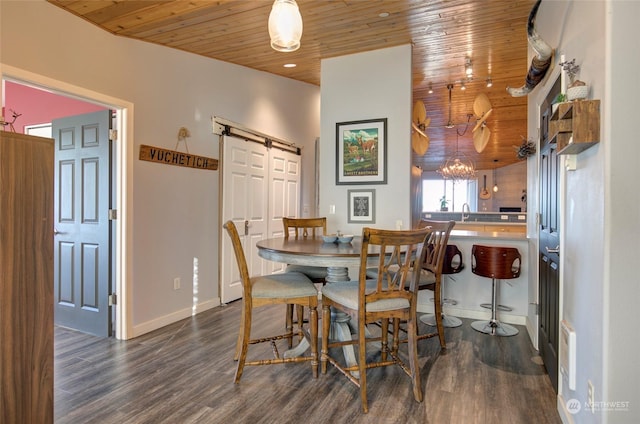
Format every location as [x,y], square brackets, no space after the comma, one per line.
[171,157]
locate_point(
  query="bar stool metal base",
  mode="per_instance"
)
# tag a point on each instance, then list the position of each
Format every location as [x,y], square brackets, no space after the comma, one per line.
[447,321]
[494,328]
[498,307]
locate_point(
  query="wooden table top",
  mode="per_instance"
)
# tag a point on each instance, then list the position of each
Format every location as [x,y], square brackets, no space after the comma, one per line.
[311,246]
[311,252]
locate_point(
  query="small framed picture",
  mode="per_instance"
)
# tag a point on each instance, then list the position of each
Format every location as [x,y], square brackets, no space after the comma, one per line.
[362,206]
[361,152]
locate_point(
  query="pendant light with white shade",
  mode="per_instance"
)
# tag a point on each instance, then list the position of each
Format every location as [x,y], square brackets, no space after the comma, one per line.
[285,26]
[495,181]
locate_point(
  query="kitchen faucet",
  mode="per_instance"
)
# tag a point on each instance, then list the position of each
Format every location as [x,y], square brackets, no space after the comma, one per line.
[468,211]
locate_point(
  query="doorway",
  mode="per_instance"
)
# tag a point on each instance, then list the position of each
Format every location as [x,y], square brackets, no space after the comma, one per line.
[122,153]
[82,235]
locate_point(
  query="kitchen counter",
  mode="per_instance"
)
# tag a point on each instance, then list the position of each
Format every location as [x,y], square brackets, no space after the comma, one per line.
[486,235]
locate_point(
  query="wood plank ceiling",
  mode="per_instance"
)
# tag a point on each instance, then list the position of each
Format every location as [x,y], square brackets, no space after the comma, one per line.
[492,33]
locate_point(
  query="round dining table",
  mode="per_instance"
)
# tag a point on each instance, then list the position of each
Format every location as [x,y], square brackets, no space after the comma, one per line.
[337,257]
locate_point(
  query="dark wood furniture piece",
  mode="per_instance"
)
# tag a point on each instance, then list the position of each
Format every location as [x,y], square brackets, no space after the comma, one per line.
[26,279]
[290,288]
[388,298]
[497,263]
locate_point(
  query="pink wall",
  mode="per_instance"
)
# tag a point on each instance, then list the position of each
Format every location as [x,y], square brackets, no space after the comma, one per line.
[38,106]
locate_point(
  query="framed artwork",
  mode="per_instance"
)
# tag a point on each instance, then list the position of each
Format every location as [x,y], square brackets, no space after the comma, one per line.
[362,206]
[361,152]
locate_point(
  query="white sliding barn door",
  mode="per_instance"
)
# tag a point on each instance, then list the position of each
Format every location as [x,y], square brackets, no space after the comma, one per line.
[245,196]
[260,185]
[284,194]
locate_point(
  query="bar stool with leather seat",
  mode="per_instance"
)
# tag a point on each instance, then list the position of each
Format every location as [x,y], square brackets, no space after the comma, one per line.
[453,264]
[497,263]
[285,288]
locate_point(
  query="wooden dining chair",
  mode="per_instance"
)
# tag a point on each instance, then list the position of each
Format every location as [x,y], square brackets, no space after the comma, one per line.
[388,298]
[431,272]
[302,228]
[291,288]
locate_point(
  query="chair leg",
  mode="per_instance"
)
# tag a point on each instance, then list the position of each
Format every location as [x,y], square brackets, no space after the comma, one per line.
[313,322]
[438,314]
[384,338]
[396,335]
[236,355]
[289,325]
[326,323]
[362,365]
[243,339]
[300,316]
[412,347]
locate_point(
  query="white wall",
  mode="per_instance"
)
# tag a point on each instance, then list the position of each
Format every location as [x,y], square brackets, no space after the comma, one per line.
[174,210]
[622,210]
[363,86]
[600,221]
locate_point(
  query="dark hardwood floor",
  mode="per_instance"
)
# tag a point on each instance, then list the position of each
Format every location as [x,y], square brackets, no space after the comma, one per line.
[183,373]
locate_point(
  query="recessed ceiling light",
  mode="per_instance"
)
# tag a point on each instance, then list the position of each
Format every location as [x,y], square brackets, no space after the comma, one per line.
[383,14]
[290,65]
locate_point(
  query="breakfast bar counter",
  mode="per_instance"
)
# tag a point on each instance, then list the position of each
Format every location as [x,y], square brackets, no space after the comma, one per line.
[470,290]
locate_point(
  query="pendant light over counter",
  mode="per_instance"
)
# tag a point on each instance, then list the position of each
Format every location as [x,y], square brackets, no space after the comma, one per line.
[285,26]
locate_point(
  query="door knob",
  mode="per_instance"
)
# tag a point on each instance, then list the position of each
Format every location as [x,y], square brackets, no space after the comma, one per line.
[56,232]
[556,250]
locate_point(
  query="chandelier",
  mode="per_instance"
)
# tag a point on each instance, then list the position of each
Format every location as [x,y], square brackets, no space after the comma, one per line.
[458,167]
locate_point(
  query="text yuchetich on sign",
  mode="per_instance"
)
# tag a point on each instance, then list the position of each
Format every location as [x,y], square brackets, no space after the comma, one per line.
[171,157]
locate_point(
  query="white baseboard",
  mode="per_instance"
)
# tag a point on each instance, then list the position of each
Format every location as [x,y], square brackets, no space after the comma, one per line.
[565,415]
[533,332]
[176,316]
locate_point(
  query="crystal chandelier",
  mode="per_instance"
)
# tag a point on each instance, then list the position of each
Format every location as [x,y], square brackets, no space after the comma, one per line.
[458,167]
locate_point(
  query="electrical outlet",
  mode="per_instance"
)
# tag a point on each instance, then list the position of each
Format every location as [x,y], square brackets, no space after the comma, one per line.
[176,283]
[591,397]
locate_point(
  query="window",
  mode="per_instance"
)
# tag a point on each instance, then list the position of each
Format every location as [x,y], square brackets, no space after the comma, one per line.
[434,187]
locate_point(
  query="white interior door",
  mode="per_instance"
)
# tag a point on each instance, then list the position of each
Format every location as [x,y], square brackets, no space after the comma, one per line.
[284,194]
[245,197]
[260,186]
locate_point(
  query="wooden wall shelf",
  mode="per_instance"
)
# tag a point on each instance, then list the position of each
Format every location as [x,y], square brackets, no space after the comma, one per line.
[575,126]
